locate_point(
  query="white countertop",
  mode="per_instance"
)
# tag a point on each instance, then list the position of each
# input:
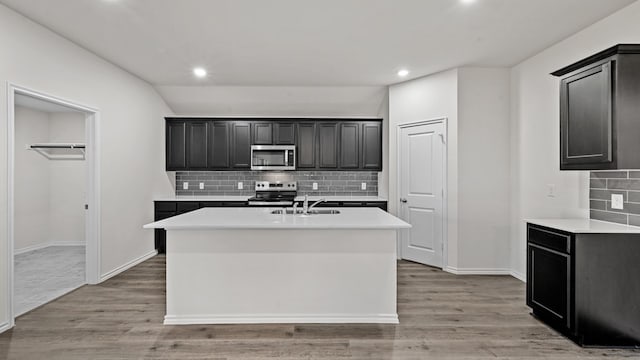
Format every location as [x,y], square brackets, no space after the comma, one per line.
[245,197]
[246,218]
[585,226]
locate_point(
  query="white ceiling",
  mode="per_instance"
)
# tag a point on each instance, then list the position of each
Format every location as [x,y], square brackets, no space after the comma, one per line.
[308,43]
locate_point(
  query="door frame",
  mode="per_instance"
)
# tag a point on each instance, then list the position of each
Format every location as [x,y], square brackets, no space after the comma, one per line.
[445,190]
[92,169]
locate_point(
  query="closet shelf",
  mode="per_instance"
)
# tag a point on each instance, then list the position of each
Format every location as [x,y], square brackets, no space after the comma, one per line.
[60,151]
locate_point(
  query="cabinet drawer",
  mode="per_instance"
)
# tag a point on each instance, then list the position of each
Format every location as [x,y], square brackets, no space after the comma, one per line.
[549,238]
[184,207]
[165,206]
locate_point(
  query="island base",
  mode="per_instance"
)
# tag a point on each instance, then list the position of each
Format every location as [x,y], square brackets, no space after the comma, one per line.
[281,276]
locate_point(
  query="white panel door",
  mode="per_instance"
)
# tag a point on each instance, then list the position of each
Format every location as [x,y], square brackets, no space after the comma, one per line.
[421,192]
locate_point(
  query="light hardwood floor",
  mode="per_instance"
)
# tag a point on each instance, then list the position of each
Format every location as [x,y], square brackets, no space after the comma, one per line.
[442,317]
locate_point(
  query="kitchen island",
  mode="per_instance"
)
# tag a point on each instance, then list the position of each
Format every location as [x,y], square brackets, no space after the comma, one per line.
[249,265]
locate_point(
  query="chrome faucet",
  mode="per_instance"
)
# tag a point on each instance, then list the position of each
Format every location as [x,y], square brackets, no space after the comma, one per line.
[306,207]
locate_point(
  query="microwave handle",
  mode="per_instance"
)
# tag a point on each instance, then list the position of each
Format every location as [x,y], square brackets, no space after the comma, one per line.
[286,158]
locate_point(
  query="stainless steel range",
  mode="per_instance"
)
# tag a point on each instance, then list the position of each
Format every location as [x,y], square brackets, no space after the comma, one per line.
[274,193]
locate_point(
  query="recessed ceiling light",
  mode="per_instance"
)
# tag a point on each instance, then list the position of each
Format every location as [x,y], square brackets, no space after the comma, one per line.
[467,1]
[199,72]
[403,72]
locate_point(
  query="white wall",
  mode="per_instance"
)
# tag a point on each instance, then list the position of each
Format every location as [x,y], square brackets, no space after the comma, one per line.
[67,182]
[431,97]
[483,170]
[535,129]
[31,217]
[132,133]
[49,195]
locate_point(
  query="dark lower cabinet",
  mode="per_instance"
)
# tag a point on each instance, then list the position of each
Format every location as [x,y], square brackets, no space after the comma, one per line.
[585,285]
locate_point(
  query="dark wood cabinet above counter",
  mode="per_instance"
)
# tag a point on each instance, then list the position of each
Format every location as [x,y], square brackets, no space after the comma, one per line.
[211,144]
[600,111]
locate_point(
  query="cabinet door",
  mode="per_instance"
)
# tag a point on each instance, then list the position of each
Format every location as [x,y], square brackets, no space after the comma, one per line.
[284,133]
[372,146]
[175,150]
[586,117]
[327,145]
[549,285]
[241,145]
[196,145]
[349,145]
[262,133]
[218,149]
[306,147]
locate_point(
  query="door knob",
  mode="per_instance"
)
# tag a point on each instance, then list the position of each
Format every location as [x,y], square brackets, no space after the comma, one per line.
[403,200]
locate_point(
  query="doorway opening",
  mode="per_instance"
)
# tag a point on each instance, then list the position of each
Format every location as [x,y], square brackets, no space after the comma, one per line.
[422,169]
[54,235]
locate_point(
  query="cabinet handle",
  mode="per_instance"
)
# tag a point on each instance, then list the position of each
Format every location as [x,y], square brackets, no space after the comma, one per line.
[403,200]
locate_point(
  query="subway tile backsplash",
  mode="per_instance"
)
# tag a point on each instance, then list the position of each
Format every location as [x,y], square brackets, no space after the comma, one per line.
[604,183]
[330,183]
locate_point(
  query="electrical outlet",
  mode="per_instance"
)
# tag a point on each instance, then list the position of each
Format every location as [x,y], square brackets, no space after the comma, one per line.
[617,201]
[551,190]
[185,186]
[363,186]
[315,186]
[240,185]
[201,186]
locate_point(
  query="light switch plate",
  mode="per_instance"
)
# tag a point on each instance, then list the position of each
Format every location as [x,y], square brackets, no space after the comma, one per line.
[617,201]
[363,186]
[201,186]
[185,186]
[315,186]
[240,185]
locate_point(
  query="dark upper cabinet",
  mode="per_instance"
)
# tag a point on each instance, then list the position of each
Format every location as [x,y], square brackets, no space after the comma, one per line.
[349,145]
[176,158]
[241,144]
[262,133]
[204,144]
[327,139]
[306,146]
[600,111]
[218,150]
[372,146]
[284,133]
[196,146]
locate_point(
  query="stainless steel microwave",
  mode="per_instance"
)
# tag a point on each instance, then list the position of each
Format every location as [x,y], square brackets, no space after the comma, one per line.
[273,157]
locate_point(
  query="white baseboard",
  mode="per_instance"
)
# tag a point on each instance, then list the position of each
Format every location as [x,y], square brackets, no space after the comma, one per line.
[31,248]
[476,271]
[128,265]
[68,243]
[518,275]
[281,319]
[5,326]
[48,244]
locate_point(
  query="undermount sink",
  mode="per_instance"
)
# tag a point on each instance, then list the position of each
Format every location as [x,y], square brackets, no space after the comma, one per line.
[311,212]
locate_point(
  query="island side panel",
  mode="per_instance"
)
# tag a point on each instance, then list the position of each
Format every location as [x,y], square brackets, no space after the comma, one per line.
[281,276]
